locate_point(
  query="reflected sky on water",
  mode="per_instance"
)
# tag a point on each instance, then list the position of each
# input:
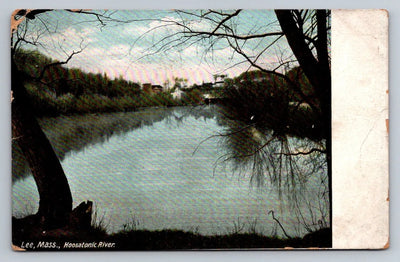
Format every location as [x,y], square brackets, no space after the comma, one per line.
[173,168]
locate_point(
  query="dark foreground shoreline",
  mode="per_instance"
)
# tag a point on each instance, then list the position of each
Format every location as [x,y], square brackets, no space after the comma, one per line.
[141,240]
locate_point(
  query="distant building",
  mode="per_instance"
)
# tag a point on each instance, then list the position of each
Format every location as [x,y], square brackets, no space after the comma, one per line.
[218,84]
[256,76]
[177,94]
[148,88]
[219,81]
[156,89]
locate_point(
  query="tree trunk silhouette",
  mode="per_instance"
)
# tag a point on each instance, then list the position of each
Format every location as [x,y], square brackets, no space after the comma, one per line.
[55,203]
[317,71]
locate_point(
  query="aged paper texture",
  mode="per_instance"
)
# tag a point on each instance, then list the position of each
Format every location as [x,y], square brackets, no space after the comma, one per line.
[359,129]
[181,155]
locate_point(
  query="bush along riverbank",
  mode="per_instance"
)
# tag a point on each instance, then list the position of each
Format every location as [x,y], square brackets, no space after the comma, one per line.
[95,238]
[46,103]
[56,90]
[80,232]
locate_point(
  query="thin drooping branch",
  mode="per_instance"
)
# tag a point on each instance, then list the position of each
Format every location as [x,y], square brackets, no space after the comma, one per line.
[257,150]
[226,19]
[221,135]
[46,67]
[299,47]
[266,48]
[18,16]
[240,37]
[82,11]
[323,151]
[239,51]
[279,223]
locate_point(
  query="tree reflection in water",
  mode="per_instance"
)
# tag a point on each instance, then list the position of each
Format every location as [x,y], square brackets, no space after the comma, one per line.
[295,167]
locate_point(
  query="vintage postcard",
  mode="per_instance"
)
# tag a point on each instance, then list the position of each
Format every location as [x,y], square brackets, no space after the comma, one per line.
[199,129]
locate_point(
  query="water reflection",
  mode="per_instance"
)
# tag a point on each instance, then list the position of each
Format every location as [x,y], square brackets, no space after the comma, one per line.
[73,133]
[156,164]
[294,167]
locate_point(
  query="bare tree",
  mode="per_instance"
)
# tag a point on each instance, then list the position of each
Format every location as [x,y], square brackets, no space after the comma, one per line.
[54,192]
[306,33]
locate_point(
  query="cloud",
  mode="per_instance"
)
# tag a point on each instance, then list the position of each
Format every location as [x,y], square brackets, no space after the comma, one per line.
[131,50]
[119,51]
[159,26]
[70,36]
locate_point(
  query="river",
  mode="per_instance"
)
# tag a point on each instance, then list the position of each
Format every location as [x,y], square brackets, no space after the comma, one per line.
[158,169]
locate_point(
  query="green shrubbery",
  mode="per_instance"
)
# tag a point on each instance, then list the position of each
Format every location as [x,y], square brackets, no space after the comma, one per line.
[59,90]
[269,102]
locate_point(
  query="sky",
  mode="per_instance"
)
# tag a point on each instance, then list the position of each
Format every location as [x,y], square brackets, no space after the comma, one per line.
[146,46]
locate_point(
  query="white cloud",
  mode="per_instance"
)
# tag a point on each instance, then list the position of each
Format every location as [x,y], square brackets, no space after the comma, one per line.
[121,50]
[136,29]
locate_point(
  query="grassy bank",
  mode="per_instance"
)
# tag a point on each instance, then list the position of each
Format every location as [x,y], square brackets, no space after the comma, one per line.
[58,90]
[79,229]
[176,240]
[46,103]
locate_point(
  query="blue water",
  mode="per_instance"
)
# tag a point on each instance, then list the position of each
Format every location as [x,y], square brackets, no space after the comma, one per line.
[149,178]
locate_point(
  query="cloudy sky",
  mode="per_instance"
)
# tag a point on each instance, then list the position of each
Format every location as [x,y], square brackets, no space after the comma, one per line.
[147,46]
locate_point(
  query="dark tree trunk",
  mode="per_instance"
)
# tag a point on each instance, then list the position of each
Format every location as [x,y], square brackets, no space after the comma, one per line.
[317,71]
[324,90]
[299,46]
[55,196]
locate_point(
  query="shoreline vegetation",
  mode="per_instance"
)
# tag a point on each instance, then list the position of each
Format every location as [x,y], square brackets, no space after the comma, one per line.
[87,231]
[64,91]
[131,238]
[175,240]
[254,98]
[68,91]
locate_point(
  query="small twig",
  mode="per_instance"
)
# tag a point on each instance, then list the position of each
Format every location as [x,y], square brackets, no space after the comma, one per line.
[56,64]
[279,223]
[226,19]
[220,135]
[303,153]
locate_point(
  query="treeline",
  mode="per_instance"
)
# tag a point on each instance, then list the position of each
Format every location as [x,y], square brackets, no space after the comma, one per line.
[55,89]
[276,85]
[268,101]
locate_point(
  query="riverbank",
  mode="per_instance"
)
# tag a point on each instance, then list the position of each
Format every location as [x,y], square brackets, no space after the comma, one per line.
[45,103]
[81,234]
[137,160]
[96,239]
[176,239]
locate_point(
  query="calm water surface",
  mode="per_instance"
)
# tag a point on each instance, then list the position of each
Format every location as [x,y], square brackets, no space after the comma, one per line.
[140,167]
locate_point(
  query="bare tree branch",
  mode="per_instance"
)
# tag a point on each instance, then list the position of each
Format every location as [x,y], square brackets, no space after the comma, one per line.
[241,37]
[279,223]
[46,67]
[226,19]
[305,153]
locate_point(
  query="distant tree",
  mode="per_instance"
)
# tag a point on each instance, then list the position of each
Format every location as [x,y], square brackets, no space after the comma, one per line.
[180,82]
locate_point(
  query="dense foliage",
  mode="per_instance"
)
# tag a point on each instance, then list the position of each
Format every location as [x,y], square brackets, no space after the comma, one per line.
[268,102]
[55,89]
